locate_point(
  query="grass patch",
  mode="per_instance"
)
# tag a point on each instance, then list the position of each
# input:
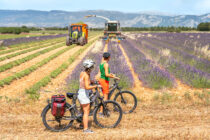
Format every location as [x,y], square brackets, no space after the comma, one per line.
[166,98]
[73,86]
[156,97]
[187,96]
[203,97]
[123,82]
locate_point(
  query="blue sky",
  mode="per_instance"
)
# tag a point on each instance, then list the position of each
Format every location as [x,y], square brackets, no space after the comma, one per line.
[164,6]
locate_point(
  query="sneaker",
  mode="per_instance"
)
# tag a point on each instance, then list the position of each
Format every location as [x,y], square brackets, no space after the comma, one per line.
[88,131]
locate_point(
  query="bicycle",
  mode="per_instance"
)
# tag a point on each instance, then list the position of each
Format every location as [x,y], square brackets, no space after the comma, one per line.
[111,115]
[126,99]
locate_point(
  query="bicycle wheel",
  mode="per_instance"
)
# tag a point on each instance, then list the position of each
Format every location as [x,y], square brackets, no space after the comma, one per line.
[57,123]
[127,101]
[111,116]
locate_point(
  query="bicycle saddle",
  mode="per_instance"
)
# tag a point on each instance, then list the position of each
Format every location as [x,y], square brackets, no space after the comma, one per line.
[70,95]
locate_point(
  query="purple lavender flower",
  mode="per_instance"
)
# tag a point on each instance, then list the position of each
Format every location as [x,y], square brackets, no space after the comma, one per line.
[151,75]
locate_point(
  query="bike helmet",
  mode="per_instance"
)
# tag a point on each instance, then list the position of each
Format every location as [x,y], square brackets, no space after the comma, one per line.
[88,63]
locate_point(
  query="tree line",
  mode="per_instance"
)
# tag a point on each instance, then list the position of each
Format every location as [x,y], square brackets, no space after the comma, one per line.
[204,26]
[17,30]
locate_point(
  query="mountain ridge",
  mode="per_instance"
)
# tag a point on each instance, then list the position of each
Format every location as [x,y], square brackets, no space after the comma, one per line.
[60,18]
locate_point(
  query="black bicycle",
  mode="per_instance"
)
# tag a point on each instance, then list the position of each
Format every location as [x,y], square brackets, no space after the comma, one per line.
[110,116]
[126,99]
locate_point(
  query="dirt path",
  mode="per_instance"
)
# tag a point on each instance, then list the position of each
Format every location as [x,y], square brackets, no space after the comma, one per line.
[106,47]
[58,85]
[17,87]
[25,54]
[151,122]
[28,63]
[138,86]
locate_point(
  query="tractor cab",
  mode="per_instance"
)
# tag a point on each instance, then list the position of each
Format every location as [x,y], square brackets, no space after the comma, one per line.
[77,34]
[112,29]
[75,28]
[112,26]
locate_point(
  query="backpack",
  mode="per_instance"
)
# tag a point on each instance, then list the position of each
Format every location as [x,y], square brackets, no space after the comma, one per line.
[58,105]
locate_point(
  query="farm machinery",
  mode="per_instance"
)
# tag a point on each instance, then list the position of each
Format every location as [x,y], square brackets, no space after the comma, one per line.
[111,30]
[77,34]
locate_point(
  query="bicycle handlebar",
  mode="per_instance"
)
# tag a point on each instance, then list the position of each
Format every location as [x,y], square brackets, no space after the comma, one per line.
[97,83]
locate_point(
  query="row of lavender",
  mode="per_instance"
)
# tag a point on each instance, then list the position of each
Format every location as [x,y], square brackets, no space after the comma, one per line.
[95,54]
[192,44]
[183,40]
[150,74]
[190,69]
[8,42]
[118,65]
[178,53]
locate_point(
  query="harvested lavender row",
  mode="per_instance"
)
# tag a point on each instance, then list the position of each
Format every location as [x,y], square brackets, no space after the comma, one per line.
[189,43]
[151,75]
[182,40]
[95,54]
[8,42]
[181,55]
[186,73]
[118,65]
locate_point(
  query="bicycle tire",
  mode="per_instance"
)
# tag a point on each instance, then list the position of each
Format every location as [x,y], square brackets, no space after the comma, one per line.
[117,109]
[45,111]
[132,96]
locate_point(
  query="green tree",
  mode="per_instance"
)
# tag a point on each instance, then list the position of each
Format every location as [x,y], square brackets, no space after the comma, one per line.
[204,26]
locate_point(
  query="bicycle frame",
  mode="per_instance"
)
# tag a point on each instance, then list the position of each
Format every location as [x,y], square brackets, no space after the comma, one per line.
[93,100]
[113,88]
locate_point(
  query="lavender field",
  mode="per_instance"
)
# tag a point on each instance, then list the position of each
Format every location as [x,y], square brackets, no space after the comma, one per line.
[160,59]
[169,73]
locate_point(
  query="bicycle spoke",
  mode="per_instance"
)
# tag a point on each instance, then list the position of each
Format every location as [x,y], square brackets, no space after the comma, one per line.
[127,101]
[123,100]
[110,117]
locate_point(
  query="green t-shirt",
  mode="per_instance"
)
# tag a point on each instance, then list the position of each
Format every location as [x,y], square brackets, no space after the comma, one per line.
[102,70]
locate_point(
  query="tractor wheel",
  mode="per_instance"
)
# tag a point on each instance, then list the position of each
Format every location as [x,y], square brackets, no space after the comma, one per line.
[68,43]
[81,41]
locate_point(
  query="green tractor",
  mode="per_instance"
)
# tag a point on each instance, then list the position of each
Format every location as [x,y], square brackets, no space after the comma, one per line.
[111,30]
[77,34]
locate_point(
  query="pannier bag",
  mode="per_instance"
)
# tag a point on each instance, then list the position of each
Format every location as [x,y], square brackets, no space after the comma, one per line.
[58,105]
